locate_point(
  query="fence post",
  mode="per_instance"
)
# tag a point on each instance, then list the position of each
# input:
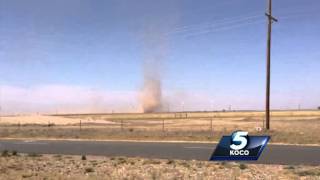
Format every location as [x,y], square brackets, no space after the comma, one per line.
[263,122]
[48,128]
[163,125]
[211,127]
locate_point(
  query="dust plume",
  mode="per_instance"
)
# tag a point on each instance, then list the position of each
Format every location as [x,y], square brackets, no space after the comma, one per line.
[151,96]
[154,55]
[155,45]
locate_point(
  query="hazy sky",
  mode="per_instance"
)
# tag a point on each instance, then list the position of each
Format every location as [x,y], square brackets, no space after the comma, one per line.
[88,55]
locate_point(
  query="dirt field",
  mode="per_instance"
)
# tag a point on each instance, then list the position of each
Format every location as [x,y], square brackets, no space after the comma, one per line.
[294,127]
[33,166]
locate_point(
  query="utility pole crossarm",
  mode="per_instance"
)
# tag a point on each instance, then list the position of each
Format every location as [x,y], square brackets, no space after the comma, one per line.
[271,17]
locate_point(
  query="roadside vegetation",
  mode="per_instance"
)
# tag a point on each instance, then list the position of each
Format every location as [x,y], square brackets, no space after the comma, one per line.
[94,167]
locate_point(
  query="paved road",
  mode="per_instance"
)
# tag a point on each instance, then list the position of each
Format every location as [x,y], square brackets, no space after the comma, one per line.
[273,154]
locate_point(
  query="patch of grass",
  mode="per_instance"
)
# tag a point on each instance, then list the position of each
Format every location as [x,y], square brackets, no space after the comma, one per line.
[26,175]
[14,153]
[155,162]
[289,167]
[243,166]
[170,161]
[94,163]
[57,156]
[121,160]
[16,167]
[309,173]
[224,164]
[89,170]
[185,164]
[151,161]
[83,157]
[51,124]
[5,153]
[34,155]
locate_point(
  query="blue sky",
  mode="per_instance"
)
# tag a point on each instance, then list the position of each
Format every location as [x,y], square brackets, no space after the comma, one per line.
[211,53]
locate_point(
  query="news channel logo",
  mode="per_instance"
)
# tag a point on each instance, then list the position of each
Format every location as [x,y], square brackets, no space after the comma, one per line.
[240,147]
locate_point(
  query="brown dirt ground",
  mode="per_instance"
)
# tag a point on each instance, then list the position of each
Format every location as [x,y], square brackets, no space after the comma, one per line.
[33,166]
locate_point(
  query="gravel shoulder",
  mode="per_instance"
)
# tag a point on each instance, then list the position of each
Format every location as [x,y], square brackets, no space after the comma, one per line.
[34,166]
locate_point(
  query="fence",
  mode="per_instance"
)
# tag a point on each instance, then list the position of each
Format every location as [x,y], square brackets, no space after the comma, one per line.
[163,125]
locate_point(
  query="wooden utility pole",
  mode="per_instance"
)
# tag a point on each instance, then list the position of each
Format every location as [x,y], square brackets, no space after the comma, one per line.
[271,19]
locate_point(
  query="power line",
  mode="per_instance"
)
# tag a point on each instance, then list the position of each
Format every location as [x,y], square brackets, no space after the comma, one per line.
[233,22]
[220,22]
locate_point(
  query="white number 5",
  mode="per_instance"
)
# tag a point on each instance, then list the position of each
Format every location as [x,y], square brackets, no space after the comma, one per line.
[240,137]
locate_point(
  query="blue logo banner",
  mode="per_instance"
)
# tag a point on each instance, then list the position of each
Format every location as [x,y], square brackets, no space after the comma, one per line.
[240,147]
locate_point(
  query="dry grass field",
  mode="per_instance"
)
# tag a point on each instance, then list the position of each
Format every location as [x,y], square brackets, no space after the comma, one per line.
[34,166]
[294,127]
